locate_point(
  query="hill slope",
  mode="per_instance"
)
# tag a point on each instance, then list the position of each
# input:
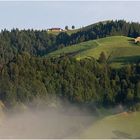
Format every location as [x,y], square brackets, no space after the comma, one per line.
[123,126]
[69,32]
[120,50]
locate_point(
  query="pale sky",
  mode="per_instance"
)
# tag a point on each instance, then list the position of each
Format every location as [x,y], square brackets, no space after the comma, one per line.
[45,14]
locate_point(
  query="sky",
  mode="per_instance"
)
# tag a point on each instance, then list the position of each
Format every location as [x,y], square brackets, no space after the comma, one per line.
[47,14]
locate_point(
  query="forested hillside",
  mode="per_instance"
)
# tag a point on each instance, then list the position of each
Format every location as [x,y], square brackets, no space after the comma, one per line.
[85,81]
[25,74]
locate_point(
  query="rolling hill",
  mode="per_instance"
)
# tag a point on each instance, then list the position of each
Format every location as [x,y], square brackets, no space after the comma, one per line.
[119,50]
[71,31]
[120,126]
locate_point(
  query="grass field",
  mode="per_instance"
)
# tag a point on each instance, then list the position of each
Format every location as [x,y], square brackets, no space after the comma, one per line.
[124,125]
[69,32]
[119,50]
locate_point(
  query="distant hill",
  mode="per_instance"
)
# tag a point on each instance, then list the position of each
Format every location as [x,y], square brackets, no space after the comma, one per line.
[95,24]
[119,50]
[39,43]
[69,32]
[98,30]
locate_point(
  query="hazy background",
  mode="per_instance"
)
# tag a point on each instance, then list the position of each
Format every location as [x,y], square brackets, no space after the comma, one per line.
[45,14]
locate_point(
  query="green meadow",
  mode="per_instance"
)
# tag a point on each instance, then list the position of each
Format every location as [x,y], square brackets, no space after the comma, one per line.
[124,126]
[119,50]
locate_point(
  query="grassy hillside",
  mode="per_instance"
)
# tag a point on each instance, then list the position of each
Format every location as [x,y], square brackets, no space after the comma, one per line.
[69,32]
[125,125]
[119,50]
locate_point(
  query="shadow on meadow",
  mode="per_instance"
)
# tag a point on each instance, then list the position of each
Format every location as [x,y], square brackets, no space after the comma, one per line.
[127,59]
[121,135]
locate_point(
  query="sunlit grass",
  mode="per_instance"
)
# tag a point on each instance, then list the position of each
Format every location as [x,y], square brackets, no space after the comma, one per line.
[125,125]
[119,50]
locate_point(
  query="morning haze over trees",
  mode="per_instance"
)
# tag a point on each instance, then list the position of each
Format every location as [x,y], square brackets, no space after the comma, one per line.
[27,73]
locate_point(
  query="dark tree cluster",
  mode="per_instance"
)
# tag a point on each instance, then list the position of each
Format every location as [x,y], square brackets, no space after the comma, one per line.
[85,81]
[36,43]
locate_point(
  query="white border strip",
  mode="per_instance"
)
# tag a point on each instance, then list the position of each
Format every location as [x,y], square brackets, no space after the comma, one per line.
[70,0]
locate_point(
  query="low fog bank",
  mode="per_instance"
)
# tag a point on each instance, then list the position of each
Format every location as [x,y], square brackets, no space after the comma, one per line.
[43,124]
[55,120]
